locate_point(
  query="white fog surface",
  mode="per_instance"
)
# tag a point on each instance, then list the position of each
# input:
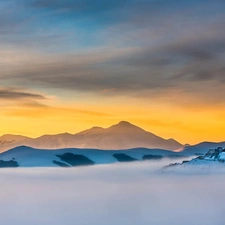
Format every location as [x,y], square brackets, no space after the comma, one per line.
[121,194]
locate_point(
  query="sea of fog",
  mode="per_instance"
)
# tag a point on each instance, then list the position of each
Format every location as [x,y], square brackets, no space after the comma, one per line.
[121,194]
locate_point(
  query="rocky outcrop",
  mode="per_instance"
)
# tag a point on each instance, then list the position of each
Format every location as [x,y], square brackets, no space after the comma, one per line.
[213,156]
[10,163]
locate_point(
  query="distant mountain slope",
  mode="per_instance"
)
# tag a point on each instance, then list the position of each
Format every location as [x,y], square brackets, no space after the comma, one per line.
[201,148]
[24,156]
[120,136]
[9,141]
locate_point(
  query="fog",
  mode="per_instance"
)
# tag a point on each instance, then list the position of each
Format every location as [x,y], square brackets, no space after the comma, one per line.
[122,194]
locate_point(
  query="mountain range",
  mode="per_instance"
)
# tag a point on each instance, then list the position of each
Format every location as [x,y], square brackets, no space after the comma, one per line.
[24,156]
[123,135]
[123,142]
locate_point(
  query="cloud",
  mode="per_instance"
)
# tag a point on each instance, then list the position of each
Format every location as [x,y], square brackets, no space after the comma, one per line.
[184,67]
[152,49]
[22,97]
[137,72]
[10,94]
[121,194]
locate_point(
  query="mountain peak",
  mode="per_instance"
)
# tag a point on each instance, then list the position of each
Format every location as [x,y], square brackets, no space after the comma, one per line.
[124,126]
[96,128]
[125,123]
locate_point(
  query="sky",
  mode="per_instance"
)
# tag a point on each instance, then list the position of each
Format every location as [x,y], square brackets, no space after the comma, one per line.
[66,66]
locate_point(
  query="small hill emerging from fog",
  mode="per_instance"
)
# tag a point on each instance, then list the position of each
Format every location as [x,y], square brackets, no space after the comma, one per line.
[213,160]
[123,135]
[201,148]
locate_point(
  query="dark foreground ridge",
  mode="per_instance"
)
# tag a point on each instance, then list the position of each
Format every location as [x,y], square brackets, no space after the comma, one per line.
[60,163]
[10,163]
[121,157]
[74,160]
[152,157]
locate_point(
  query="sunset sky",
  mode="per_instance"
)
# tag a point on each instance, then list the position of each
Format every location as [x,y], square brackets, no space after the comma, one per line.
[66,66]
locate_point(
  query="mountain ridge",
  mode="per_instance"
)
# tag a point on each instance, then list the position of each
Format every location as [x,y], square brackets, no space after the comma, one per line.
[25,156]
[123,135]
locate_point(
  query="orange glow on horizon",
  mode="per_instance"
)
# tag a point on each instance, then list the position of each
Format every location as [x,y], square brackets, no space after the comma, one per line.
[184,125]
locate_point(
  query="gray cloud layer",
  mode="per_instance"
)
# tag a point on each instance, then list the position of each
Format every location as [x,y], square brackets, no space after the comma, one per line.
[22,97]
[11,94]
[159,47]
